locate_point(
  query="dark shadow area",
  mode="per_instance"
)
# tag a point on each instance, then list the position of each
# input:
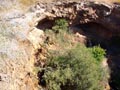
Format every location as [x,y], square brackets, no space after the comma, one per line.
[114,62]
[46,24]
[41,80]
[96,34]
[100,35]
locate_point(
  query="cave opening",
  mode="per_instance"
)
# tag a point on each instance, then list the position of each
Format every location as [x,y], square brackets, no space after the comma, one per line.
[46,24]
[99,35]
[96,34]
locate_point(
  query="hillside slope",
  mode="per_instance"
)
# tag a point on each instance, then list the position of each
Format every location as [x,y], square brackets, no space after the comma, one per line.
[20,39]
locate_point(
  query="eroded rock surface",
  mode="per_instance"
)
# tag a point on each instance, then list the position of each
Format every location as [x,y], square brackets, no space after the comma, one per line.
[19,37]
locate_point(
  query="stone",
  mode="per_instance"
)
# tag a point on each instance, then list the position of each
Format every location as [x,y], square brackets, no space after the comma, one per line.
[21,38]
[36,37]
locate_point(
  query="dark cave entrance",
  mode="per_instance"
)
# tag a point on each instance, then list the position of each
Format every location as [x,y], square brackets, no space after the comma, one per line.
[100,35]
[96,34]
[46,24]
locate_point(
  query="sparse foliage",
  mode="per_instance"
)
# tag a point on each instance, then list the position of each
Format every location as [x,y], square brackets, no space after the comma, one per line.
[59,33]
[98,53]
[60,25]
[75,69]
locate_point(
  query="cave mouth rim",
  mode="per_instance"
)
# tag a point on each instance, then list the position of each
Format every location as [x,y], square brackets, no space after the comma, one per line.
[84,26]
[50,22]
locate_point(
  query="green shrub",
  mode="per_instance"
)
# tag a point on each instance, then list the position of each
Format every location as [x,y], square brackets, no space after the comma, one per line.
[98,53]
[75,69]
[60,25]
[59,33]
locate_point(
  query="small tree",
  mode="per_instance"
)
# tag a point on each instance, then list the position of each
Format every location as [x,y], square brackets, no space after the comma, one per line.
[59,33]
[60,25]
[75,69]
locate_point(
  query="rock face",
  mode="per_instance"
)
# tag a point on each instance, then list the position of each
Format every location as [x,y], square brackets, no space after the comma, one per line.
[20,39]
[84,12]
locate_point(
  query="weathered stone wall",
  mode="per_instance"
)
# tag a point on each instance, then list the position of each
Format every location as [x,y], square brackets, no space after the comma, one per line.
[20,39]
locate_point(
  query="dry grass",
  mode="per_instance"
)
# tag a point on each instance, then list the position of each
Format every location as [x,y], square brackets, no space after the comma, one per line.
[27,2]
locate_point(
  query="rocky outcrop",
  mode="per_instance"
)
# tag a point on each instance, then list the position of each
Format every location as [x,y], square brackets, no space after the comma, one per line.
[20,39]
[83,12]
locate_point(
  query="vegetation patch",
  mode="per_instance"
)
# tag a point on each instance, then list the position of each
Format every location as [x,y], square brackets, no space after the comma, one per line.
[98,53]
[73,68]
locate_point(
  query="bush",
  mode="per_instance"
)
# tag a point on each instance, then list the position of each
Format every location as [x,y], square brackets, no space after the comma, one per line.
[60,25]
[59,34]
[75,69]
[98,53]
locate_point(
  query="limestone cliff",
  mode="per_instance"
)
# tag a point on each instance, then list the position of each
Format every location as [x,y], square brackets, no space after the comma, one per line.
[20,38]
